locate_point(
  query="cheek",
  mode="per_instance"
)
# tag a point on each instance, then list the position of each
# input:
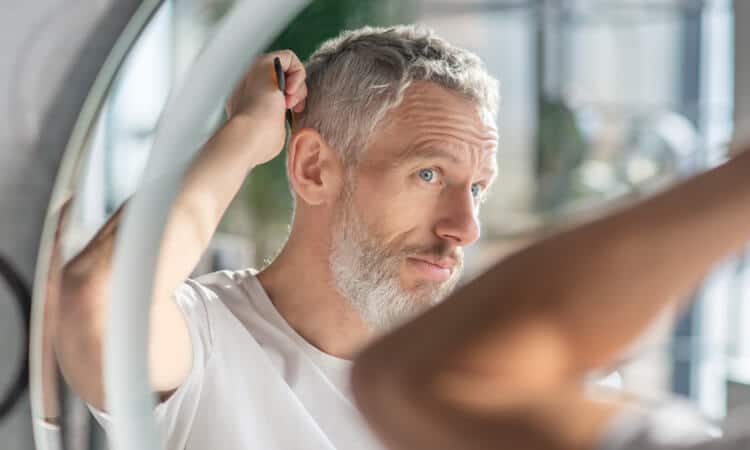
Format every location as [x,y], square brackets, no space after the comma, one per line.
[396,214]
[393,206]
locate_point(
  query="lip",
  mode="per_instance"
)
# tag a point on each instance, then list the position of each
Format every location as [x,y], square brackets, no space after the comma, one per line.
[443,263]
[434,269]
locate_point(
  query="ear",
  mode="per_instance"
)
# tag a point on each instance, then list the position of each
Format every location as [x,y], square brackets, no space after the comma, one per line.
[315,170]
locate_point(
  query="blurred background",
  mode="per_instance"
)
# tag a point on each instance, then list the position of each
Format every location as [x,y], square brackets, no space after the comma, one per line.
[603,102]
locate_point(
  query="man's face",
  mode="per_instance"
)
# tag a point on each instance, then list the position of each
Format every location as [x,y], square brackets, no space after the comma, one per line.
[413,205]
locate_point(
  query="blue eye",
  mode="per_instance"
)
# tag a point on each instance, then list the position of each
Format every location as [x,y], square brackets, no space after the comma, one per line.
[428,175]
[476,190]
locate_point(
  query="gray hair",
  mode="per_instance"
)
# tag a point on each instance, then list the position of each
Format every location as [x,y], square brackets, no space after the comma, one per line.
[356,78]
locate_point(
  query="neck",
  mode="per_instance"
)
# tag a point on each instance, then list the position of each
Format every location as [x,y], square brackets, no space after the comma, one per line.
[300,285]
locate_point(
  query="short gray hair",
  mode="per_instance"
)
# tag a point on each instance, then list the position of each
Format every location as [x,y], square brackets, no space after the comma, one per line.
[356,78]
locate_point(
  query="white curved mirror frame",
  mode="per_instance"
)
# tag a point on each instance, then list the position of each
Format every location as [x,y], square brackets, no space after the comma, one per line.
[244,33]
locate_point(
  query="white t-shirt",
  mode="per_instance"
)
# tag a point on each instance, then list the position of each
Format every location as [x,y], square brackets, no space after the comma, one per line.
[255,383]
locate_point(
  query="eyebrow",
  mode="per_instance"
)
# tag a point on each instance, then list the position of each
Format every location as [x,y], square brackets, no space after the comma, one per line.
[441,153]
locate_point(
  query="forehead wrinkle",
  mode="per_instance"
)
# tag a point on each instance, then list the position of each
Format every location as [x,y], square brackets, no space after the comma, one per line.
[430,148]
[448,135]
[433,102]
[431,113]
[468,136]
[444,135]
[425,119]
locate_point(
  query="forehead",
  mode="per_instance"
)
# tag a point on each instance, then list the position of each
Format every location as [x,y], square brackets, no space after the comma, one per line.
[433,118]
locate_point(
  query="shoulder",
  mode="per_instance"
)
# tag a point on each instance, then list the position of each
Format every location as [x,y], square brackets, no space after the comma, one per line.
[223,279]
[216,285]
[203,300]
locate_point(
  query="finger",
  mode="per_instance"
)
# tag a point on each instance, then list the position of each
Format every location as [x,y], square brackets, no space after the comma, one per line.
[289,62]
[294,99]
[294,81]
[294,71]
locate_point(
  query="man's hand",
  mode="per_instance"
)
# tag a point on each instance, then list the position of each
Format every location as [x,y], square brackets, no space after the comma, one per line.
[257,97]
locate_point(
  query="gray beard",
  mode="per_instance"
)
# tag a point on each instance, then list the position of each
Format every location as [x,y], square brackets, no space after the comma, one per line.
[367,274]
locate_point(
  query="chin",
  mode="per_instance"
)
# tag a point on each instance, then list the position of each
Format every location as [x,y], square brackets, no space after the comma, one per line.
[427,293]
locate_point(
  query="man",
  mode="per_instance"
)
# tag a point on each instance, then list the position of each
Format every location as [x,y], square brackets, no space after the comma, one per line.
[501,364]
[393,152]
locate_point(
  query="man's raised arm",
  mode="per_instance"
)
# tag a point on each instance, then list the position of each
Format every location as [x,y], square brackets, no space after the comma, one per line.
[254,134]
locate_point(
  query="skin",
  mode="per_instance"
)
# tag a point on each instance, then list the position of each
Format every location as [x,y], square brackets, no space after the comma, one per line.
[433,219]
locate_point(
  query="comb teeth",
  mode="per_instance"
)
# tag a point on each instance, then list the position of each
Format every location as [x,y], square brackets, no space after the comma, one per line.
[279,71]
[281,82]
[290,118]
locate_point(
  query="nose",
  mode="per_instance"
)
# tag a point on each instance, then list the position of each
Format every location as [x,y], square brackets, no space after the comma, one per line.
[458,222]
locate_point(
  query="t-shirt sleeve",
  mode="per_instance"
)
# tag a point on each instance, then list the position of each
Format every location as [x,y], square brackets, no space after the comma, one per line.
[174,416]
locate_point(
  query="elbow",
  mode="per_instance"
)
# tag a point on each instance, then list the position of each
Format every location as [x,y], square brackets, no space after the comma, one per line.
[79,333]
[81,304]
